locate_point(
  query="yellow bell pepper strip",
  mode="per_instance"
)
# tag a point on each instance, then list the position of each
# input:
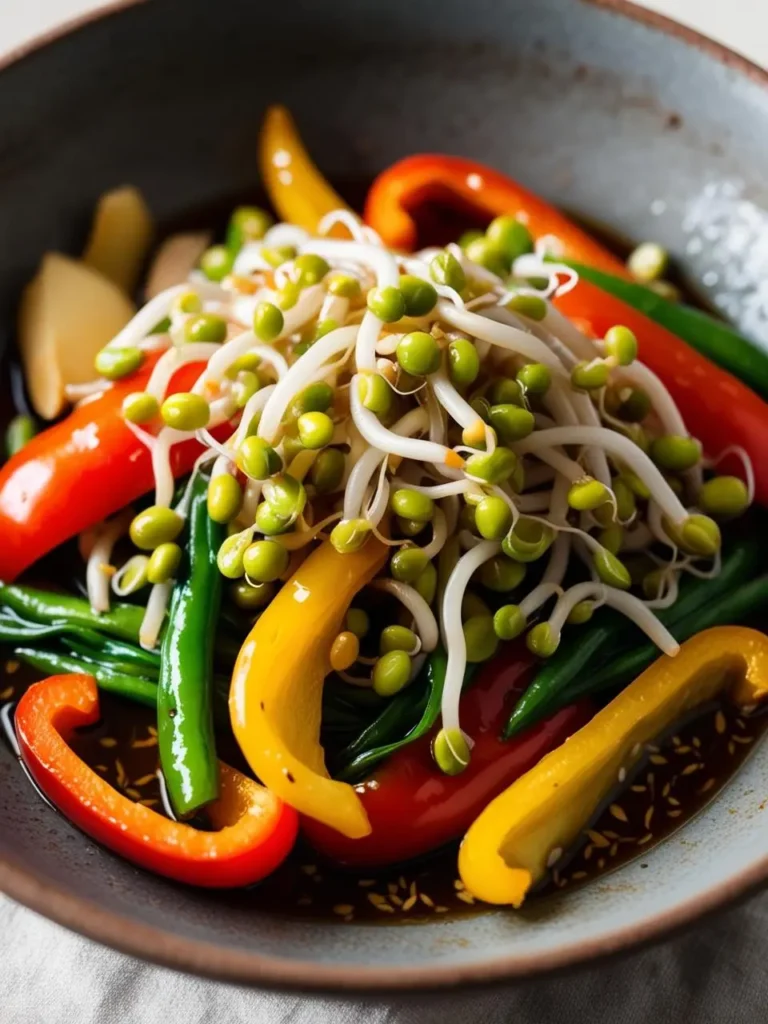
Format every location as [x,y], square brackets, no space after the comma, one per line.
[277,684]
[297,190]
[507,848]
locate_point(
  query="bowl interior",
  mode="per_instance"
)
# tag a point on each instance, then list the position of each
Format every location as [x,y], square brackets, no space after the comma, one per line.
[629,127]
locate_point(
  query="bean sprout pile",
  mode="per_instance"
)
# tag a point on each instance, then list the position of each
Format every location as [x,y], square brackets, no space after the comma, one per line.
[521,472]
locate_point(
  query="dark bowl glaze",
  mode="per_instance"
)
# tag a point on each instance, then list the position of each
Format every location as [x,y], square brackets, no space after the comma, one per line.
[620,116]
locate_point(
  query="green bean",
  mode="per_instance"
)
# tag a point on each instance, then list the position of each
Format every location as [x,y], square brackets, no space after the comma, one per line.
[729,610]
[19,432]
[140,691]
[601,643]
[416,709]
[122,620]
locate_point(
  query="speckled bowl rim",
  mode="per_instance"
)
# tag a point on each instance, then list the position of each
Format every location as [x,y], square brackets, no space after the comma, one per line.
[226,964]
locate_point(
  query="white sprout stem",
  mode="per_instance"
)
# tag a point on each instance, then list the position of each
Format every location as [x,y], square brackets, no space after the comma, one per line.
[439,535]
[148,316]
[621,448]
[635,610]
[414,422]
[437,491]
[594,456]
[380,260]
[666,410]
[378,506]
[250,260]
[538,475]
[386,440]
[450,506]
[348,219]
[453,633]
[671,591]
[154,616]
[367,341]
[570,598]
[285,234]
[656,525]
[423,616]
[562,464]
[98,569]
[418,268]
[505,336]
[582,347]
[170,361]
[458,408]
[254,405]
[251,499]
[77,392]
[238,346]
[551,581]
[299,375]
[161,463]
[334,307]
[182,507]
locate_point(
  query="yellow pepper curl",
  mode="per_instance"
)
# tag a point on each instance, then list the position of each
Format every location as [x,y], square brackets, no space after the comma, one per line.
[297,190]
[277,685]
[507,848]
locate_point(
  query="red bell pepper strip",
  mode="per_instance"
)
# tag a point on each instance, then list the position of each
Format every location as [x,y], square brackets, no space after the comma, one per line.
[78,472]
[717,408]
[413,808]
[428,177]
[255,829]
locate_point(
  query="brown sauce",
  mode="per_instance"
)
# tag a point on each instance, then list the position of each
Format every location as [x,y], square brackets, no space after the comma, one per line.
[678,777]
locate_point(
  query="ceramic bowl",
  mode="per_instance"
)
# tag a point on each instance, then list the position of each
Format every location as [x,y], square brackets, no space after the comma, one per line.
[625,119]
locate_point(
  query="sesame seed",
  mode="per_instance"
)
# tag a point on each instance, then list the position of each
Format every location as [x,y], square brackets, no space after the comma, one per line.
[707,786]
[12,666]
[578,875]
[107,741]
[674,814]
[601,863]
[635,750]
[618,812]
[673,802]
[402,882]
[149,802]
[647,818]
[696,742]
[465,896]
[741,723]
[458,885]
[691,768]
[426,900]
[610,835]
[392,888]
[665,791]
[133,792]
[409,903]
[597,838]
[397,900]
[720,723]
[658,759]
[151,741]
[378,901]
[731,748]
[412,891]
[676,741]
[622,774]
[683,750]
[646,839]
[638,789]
[7,693]
[441,910]
[102,768]
[342,909]
[742,739]
[554,856]
[145,780]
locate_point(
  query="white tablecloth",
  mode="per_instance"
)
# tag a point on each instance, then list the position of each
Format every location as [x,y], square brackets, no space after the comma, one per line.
[716,973]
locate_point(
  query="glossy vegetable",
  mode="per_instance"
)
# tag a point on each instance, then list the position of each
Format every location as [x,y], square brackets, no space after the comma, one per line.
[409,788]
[91,452]
[277,684]
[254,829]
[712,338]
[137,689]
[717,408]
[184,694]
[294,185]
[120,237]
[597,651]
[398,192]
[48,607]
[67,314]
[508,847]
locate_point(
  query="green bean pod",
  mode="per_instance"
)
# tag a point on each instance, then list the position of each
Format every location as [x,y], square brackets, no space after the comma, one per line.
[133,688]
[731,609]
[51,608]
[184,695]
[609,634]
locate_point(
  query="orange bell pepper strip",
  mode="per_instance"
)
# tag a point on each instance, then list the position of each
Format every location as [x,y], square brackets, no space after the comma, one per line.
[717,408]
[255,830]
[297,190]
[398,192]
[507,849]
[277,684]
[79,471]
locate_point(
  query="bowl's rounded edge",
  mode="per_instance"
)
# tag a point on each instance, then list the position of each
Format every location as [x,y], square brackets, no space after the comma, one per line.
[226,964]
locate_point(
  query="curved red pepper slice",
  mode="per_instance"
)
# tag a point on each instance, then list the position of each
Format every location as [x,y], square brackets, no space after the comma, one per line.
[429,177]
[717,408]
[413,808]
[256,830]
[78,472]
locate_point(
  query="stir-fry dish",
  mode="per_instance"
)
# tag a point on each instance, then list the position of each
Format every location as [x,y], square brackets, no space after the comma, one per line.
[419,531]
